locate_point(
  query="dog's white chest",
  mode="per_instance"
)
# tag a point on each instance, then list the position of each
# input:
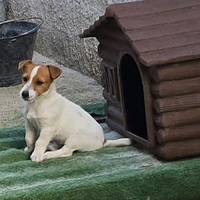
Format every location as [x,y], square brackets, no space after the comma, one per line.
[34,119]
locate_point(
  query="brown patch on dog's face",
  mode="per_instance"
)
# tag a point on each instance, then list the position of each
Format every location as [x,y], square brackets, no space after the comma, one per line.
[42,80]
[26,73]
[36,79]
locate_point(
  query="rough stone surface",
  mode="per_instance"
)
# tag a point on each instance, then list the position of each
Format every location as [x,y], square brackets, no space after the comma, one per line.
[2,10]
[64,20]
[71,84]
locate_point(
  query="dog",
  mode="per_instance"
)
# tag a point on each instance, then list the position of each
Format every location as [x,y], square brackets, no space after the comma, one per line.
[54,123]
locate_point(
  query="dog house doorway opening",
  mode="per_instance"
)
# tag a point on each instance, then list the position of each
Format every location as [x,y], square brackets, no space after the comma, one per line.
[132,97]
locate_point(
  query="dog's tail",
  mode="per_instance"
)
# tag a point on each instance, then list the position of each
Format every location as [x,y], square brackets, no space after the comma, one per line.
[118,142]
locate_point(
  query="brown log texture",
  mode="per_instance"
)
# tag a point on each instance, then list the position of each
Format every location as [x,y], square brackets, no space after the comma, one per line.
[116,126]
[110,30]
[176,150]
[177,103]
[111,99]
[109,79]
[112,43]
[120,129]
[108,54]
[115,114]
[176,87]
[178,133]
[179,118]
[177,71]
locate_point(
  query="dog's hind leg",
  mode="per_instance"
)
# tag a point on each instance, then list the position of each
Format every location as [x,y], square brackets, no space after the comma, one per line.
[63,152]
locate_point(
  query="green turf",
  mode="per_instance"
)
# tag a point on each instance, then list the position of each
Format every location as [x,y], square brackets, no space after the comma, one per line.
[109,173]
[95,109]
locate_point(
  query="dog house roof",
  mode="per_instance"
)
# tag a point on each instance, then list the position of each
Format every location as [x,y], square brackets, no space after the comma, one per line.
[159,31]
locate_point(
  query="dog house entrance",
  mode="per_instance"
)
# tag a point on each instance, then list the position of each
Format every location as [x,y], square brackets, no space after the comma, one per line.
[133,96]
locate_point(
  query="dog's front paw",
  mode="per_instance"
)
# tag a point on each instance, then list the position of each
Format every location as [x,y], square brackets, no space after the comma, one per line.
[47,155]
[37,157]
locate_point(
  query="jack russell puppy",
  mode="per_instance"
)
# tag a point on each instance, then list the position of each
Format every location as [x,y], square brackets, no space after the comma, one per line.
[51,117]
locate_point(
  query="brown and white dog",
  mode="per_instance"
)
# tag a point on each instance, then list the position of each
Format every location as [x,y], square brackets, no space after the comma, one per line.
[51,117]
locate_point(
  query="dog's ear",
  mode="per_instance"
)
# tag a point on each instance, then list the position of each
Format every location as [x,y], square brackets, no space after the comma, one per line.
[54,71]
[23,64]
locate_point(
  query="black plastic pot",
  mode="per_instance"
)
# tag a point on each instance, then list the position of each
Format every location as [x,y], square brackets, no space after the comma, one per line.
[17,40]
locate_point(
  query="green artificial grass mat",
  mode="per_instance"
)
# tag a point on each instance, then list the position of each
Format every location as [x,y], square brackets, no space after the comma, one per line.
[106,174]
[95,109]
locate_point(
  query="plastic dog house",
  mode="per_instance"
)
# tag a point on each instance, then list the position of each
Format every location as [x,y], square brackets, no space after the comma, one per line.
[150,65]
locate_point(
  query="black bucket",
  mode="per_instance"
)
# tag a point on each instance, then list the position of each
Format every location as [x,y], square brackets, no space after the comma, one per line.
[17,40]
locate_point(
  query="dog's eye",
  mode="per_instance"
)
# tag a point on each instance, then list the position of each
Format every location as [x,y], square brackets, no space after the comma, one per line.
[39,82]
[25,79]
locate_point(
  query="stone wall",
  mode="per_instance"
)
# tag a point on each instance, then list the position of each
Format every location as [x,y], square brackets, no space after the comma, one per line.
[64,20]
[2,10]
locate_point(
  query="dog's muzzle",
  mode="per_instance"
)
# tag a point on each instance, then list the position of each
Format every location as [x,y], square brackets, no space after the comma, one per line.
[25,95]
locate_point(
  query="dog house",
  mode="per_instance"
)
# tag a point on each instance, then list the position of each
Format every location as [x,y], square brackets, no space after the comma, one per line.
[150,65]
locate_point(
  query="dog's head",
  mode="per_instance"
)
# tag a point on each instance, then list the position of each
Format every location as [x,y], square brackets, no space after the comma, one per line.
[36,79]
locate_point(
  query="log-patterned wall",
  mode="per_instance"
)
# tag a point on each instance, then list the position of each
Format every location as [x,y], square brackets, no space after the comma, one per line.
[111,43]
[176,98]
[176,101]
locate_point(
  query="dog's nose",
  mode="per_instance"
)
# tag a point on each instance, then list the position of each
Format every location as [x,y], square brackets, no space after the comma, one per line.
[25,94]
